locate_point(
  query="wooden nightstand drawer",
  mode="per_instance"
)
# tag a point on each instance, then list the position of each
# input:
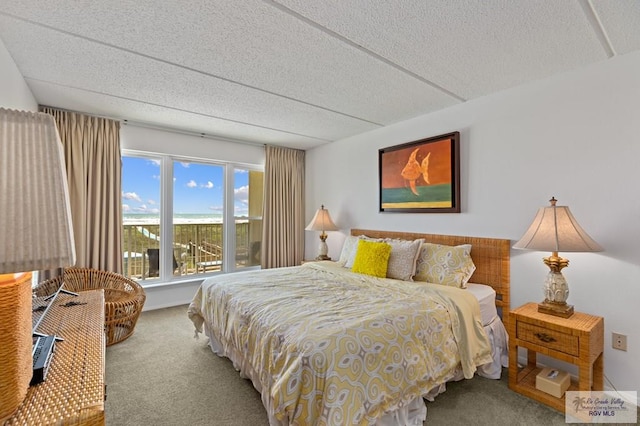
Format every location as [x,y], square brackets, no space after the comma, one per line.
[551,339]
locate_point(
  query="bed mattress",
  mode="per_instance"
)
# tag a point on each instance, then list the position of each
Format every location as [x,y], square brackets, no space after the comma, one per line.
[486,296]
[494,328]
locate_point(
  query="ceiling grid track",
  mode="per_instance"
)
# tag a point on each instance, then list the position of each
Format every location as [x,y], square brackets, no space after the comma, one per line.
[173,109]
[598,28]
[301,74]
[363,49]
[142,55]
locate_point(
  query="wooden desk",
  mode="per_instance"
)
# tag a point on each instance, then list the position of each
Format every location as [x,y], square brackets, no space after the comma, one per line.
[73,392]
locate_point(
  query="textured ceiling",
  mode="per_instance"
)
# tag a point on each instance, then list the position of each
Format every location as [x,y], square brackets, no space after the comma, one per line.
[299,73]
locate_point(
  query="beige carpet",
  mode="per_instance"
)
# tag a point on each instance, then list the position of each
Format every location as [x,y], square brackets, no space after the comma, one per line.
[163,376]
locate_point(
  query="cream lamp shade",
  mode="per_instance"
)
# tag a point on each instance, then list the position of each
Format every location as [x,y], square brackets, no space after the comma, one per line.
[322,222]
[35,224]
[555,229]
[37,234]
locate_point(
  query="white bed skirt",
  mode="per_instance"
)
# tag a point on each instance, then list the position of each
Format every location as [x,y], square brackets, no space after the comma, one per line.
[413,414]
[499,340]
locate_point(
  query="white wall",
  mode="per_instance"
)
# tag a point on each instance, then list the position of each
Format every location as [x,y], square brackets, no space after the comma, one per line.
[575,136]
[14,92]
[167,142]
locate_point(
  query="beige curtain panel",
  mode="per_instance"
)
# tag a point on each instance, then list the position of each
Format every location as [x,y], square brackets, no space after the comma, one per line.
[92,155]
[283,217]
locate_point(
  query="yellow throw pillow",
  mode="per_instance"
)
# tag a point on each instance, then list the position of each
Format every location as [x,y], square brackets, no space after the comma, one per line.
[446,265]
[372,258]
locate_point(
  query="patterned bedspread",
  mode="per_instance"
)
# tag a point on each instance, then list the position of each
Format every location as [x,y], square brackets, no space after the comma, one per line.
[329,346]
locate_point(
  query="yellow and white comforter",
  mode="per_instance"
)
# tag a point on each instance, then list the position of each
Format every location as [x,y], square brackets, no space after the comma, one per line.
[327,346]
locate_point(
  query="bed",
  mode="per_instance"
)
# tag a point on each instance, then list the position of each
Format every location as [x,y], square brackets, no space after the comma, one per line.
[326,345]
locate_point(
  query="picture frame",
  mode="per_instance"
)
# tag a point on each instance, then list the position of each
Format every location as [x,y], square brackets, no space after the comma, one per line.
[421,176]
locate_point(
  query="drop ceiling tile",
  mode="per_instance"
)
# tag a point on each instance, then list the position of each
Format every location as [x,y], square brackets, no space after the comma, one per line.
[98,68]
[253,43]
[147,114]
[472,48]
[316,71]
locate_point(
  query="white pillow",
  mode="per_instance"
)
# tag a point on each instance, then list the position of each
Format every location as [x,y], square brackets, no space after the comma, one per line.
[349,250]
[402,261]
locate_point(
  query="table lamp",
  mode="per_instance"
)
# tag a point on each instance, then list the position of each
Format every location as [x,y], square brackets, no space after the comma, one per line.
[555,229]
[36,234]
[322,222]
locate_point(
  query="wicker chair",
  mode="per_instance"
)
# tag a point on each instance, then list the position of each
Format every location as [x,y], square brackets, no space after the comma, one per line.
[124,298]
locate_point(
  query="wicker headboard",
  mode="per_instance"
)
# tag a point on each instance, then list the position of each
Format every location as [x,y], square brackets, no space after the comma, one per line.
[490,255]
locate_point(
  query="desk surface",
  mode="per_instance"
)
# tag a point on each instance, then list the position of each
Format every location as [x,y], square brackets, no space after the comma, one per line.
[73,392]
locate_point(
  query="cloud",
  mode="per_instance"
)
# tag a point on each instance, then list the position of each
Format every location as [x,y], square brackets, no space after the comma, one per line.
[131,196]
[185,164]
[207,185]
[152,202]
[144,209]
[241,194]
[192,184]
[126,207]
[155,162]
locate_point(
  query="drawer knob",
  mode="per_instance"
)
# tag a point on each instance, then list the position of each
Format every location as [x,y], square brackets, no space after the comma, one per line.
[545,337]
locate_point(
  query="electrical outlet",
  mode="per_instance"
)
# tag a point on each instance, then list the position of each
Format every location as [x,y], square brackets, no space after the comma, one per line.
[619,341]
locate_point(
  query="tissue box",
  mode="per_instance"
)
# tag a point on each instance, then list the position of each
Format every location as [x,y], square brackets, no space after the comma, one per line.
[553,381]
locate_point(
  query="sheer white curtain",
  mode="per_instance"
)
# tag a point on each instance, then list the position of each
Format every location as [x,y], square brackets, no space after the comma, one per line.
[283,217]
[92,154]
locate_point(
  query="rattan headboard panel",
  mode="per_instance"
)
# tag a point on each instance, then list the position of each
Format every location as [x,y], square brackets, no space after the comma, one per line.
[490,255]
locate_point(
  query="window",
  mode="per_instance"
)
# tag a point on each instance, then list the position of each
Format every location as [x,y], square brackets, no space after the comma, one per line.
[174,213]
[247,213]
[140,213]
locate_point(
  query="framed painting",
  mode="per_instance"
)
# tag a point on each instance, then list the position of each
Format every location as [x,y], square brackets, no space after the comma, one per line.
[422,176]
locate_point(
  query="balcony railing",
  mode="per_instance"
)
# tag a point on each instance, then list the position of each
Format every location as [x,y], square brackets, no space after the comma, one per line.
[197,248]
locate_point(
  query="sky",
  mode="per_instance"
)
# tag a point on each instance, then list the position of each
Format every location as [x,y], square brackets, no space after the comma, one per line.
[198,188]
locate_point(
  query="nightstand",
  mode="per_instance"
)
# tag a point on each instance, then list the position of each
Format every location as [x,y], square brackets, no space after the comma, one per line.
[578,340]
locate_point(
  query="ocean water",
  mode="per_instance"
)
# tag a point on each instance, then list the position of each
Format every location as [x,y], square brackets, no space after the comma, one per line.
[178,219]
[428,196]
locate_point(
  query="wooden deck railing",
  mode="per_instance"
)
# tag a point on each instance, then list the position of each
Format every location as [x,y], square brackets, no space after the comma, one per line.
[197,248]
